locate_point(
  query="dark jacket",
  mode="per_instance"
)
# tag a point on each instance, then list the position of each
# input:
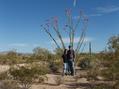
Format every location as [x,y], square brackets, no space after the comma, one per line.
[70,54]
[64,56]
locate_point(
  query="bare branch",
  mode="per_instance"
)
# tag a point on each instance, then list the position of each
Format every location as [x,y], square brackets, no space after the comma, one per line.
[56,29]
[83,34]
[50,35]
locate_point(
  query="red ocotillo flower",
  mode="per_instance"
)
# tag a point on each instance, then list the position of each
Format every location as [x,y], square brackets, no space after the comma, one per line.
[68,12]
[55,21]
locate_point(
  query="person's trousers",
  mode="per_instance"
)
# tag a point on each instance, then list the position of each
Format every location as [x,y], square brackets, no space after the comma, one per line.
[71,66]
[65,67]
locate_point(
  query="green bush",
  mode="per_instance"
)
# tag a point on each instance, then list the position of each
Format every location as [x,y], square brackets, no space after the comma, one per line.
[112,72]
[26,75]
[4,76]
[9,84]
[94,70]
[85,63]
[116,86]
[54,67]
[58,80]
[102,86]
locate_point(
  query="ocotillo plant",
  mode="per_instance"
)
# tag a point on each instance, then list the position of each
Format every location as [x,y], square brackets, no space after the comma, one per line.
[56,29]
[46,29]
[70,27]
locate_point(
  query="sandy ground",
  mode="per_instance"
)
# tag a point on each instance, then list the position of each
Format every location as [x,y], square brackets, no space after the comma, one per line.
[4,68]
[66,82]
[69,82]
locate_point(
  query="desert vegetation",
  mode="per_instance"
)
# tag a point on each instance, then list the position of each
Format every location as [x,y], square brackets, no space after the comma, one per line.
[26,70]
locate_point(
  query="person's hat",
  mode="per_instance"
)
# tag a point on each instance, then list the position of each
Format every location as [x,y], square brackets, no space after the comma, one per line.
[70,46]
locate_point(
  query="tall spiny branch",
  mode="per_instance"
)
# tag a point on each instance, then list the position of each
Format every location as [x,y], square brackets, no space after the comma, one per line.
[50,35]
[83,34]
[72,29]
[56,29]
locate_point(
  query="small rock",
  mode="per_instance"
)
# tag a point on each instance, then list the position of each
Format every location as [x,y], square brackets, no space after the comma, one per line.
[82,80]
[100,78]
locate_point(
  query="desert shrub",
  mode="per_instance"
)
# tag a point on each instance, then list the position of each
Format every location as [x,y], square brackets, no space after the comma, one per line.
[102,86]
[9,84]
[23,76]
[92,74]
[41,54]
[40,79]
[39,68]
[110,59]
[94,70]
[112,72]
[116,86]
[12,57]
[113,46]
[54,67]
[58,80]
[85,63]
[4,75]
[26,75]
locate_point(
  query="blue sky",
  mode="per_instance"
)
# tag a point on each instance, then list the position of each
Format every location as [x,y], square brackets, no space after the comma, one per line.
[20,22]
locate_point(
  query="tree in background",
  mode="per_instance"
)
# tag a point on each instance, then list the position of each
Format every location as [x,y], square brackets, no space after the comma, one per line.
[41,54]
[110,60]
[113,46]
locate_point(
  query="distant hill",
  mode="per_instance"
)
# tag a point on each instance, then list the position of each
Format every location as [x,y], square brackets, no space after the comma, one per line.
[23,54]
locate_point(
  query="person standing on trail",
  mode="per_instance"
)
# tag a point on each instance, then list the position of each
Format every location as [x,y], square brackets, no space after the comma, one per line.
[65,61]
[71,57]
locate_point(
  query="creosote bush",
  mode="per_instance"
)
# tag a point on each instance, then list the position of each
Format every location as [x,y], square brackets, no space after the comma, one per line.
[84,63]
[9,84]
[102,87]
[58,80]
[54,67]
[26,75]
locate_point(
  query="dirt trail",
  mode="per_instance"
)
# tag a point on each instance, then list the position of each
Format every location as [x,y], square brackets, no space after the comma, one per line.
[65,82]
[71,82]
[68,82]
